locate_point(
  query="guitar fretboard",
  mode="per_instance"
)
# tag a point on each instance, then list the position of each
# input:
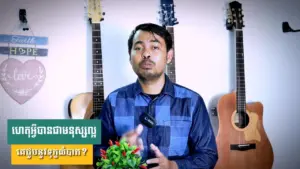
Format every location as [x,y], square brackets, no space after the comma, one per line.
[98,85]
[240,72]
[171,72]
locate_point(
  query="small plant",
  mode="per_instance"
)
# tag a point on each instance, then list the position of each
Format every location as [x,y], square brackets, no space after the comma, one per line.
[120,155]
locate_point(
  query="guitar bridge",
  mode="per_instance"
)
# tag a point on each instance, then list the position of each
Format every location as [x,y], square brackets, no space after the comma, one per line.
[242,147]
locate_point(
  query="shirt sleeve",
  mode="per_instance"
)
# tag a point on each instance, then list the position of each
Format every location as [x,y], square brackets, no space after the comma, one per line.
[202,142]
[107,127]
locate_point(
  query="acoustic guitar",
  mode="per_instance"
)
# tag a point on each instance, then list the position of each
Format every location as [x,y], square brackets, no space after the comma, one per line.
[242,141]
[168,20]
[88,105]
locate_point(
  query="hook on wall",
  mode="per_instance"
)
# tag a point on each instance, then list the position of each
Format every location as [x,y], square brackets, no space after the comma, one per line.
[286,28]
[23,19]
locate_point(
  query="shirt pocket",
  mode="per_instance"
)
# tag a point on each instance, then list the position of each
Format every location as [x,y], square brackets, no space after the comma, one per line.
[179,130]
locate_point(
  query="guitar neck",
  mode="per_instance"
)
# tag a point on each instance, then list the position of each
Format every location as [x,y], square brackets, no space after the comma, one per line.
[171,71]
[98,84]
[240,71]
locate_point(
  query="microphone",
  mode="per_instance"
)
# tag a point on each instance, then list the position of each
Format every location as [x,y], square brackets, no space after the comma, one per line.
[147,120]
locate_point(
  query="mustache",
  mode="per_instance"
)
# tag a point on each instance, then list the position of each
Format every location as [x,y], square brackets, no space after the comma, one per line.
[146,61]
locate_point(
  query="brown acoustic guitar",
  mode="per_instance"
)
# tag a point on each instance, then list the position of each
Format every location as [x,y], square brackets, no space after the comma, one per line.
[242,141]
[88,105]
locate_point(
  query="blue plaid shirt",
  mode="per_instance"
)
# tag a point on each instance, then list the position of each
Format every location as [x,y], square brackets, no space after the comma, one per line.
[183,131]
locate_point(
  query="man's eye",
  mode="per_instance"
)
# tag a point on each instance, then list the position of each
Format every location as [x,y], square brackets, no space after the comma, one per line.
[155,47]
[137,48]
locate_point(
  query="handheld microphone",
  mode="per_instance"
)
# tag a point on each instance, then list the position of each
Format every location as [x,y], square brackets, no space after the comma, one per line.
[147,120]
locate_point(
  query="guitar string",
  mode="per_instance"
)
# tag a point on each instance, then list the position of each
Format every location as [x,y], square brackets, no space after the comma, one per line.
[93,111]
[237,85]
[165,15]
[97,104]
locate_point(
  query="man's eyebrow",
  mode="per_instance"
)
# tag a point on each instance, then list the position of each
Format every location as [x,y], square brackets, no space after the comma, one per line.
[155,41]
[141,42]
[138,42]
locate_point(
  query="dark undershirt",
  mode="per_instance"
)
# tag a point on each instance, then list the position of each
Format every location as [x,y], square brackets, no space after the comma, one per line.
[153,96]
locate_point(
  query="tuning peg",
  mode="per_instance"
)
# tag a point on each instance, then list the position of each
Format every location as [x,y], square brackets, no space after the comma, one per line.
[103,13]
[214,111]
[102,19]
[228,21]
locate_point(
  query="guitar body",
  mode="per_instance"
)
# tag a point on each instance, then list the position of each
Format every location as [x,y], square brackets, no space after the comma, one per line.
[229,134]
[81,106]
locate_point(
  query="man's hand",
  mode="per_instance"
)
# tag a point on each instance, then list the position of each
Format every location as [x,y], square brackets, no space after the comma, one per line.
[132,137]
[161,160]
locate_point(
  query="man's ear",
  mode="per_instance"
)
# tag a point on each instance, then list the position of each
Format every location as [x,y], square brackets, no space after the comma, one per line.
[170,55]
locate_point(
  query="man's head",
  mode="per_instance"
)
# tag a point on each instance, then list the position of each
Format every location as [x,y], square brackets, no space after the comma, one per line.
[150,50]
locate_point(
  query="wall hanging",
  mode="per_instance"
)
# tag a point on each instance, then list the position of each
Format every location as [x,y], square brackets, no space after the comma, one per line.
[22,81]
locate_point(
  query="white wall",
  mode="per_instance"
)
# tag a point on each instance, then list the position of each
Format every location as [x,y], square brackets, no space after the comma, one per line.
[202,52]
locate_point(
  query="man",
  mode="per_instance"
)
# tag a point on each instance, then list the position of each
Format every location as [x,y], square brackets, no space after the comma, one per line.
[182,137]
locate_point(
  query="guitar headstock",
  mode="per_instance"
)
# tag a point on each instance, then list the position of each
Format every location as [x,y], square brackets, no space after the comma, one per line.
[167,13]
[95,13]
[235,16]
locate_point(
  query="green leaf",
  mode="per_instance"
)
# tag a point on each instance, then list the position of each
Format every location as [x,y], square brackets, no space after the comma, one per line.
[132,148]
[107,166]
[126,147]
[138,161]
[122,148]
[124,161]
[106,161]
[98,164]
[134,161]
[123,140]
[128,153]
[117,159]
[130,163]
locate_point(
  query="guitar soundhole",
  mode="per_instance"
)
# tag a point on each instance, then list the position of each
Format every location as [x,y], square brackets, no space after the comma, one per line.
[241,119]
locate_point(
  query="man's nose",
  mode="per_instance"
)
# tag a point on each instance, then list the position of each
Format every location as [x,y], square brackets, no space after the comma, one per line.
[146,55]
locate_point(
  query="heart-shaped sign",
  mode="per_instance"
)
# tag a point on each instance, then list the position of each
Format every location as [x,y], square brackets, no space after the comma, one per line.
[22,81]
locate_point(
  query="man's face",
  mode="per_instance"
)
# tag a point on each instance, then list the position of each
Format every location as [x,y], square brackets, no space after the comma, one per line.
[149,55]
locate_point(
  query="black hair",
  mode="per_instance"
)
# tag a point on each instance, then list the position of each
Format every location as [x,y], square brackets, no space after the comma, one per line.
[153,28]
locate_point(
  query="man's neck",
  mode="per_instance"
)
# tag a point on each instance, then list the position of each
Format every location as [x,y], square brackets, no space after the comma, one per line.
[154,86]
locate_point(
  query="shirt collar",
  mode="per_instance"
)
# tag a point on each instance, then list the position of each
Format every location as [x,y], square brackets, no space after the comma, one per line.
[167,89]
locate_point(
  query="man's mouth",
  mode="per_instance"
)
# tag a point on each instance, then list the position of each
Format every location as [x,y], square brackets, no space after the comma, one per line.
[146,65]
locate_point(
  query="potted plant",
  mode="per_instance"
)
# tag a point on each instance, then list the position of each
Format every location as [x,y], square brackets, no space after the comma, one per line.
[121,155]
